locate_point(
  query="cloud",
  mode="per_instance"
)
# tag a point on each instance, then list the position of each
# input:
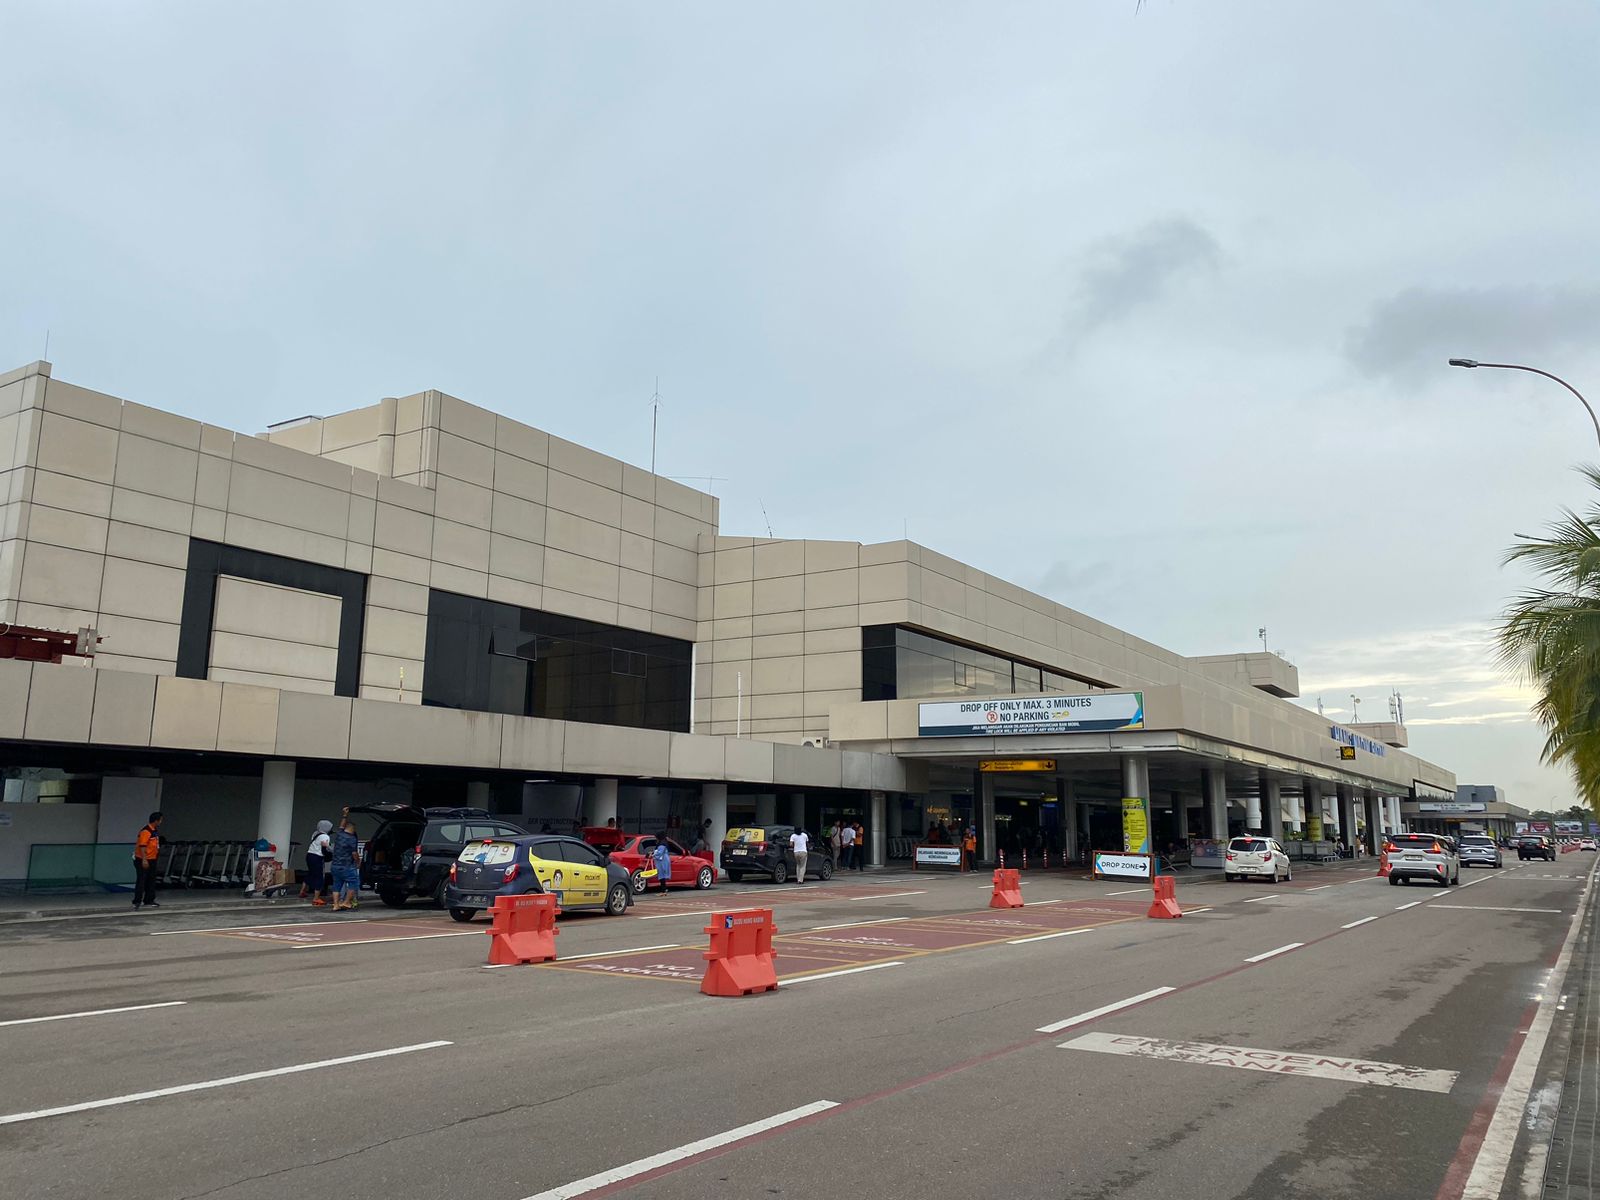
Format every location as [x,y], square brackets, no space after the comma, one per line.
[1124,273]
[1413,332]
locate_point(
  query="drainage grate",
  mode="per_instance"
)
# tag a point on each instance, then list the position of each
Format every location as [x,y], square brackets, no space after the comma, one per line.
[1570,1171]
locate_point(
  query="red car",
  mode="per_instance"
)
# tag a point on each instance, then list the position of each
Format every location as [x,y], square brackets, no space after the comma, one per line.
[632,852]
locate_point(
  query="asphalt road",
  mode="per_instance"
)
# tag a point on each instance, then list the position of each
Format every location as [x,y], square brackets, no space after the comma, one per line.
[1365,1059]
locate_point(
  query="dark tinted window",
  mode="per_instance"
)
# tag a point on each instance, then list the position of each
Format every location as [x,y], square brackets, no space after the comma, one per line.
[578,852]
[400,835]
[491,657]
[898,663]
[1254,845]
[550,851]
[1424,841]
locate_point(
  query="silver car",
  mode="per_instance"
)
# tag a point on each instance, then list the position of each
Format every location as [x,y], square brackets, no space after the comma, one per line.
[1423,856]
[1479,850]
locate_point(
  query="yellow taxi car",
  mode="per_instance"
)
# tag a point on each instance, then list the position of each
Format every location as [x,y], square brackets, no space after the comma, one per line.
[577,874]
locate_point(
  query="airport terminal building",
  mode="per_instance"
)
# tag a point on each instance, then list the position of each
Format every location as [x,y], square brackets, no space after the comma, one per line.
[422,601]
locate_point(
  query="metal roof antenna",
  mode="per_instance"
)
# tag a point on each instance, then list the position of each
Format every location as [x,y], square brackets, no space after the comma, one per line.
[764,516]
[655,413]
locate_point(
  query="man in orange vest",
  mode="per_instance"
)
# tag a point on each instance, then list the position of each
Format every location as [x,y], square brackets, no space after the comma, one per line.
[969,848]
[145,852]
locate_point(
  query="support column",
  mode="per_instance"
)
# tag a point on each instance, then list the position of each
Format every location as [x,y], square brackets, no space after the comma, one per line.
[983,799]
[797,810]
[1216,793]
[766,810]
[714,807]
[1180,807]
[478,794]
[896,817]
[277,809]
[1067,801]
[1311,797]
[1394,813]
[1374,841]
[1347,813]
[875,825]
[1272,803]
[1252,813]
[604,806]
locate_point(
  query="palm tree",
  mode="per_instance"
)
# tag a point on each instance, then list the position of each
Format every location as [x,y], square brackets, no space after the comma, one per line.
[1551,638]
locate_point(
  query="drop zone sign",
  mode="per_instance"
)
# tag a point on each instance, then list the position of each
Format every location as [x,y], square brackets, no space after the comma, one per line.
[1099,712]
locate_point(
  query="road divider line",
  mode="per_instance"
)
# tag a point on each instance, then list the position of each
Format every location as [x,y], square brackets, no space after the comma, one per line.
[643,1166]
[1255,958]
[406,937]
[209,1084]
[698,912]
[1045,937]
[608,953]
[1319,887]
[889,895]
[1259,899]
[856,924]
[836,974]
[1403,907]
[93,1012]
[1057,900]
[268,925]
[1094,1013]
[1362,921]
[1129,892]
[1493,908]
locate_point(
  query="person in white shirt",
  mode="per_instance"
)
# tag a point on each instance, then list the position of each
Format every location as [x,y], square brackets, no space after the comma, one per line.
[847,843]
[800,843]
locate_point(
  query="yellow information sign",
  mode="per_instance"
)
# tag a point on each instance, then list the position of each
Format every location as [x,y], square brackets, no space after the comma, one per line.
[1017,764]
[1135,826]
[1314,828]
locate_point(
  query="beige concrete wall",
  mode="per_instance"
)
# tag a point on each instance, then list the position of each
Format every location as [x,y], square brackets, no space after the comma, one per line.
[274,636]
[418,492]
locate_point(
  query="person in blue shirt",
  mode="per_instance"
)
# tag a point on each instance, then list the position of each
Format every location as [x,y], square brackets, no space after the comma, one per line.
[346,866]
[662,858]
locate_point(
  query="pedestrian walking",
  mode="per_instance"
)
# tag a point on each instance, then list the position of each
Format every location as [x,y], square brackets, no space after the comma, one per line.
[847,841]
[800,843]
[662,857]
[346,866]
[860,843]
[317,855]
[830,840]
[145,852]
[969,849]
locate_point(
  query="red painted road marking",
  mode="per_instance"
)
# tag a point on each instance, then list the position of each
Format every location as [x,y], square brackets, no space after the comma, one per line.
[334,932]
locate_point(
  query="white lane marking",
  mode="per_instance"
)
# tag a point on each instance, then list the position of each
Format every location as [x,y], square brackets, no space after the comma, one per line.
[208,1084]
[1318,889]
[608,953]
[409,937]
[889,895]
[1494,1154]
[643,1166]
[1255,958]
[1277,1062]
[1038,903]
[280,925]
[1045,937]
[1093,1013]
[1493,908]
[1403,907]
[856,924]
[698,912]
[1129,892]
[1259,899]
[836,974]
[1353,924]
[94,1012]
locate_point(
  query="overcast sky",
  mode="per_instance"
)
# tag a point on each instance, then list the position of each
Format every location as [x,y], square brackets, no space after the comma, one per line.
[1145,307]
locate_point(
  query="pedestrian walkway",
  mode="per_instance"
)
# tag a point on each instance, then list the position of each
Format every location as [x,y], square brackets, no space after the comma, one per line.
[19,908]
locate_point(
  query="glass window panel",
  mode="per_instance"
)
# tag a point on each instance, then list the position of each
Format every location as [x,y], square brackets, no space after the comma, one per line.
[1025,678]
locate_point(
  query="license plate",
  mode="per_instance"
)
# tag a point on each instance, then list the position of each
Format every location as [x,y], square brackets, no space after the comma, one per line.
[739,850]
[475,901]
[1414,857]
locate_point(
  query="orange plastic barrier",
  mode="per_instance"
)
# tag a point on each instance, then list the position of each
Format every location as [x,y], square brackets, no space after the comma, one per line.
[1007,890]
[524,930]
[739,962]
[1166,901]
[1383,862]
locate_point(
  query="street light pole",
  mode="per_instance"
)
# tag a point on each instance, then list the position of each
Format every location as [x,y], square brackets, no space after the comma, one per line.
[1468,362]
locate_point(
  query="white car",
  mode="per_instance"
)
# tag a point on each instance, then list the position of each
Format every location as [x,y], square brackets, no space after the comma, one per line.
[1588,843]
[1256,856]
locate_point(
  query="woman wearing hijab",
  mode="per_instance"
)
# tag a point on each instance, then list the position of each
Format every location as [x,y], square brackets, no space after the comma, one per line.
[662,858]
[317,855]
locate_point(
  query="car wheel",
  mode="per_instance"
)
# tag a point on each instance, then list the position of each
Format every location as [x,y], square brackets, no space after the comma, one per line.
[638,883]
[463,914]
[392,898]
[703,880]
[735,876]
[1394,881]
[1289,875]
[825,872]
[438,892]
[1229,877]
[617,900]
[1274,876]
[780,873]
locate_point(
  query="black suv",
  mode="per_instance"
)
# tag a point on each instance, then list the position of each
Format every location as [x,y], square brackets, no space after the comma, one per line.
[1536,845]
[410,852]
[764,850]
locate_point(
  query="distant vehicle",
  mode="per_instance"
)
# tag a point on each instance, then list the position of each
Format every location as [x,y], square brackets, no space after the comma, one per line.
[1588,843]
[1260,857]
[1479,849]
[764,850]
[577,873]
[634,853]
[1536,845]
[1423,856]
[411,851]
